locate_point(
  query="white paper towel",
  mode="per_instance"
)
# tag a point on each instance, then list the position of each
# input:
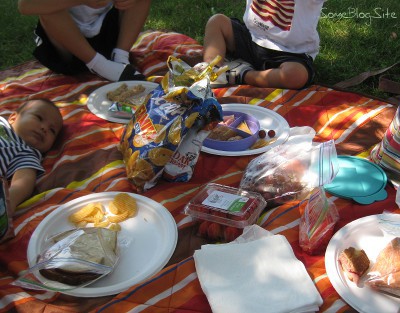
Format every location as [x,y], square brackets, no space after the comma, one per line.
[261,275]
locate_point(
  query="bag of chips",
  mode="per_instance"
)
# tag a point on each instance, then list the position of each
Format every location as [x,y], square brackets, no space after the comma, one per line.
[183,102]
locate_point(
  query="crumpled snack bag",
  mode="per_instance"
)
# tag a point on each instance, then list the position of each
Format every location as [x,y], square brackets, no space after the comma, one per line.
[6,221]
[182,104]
[74,258]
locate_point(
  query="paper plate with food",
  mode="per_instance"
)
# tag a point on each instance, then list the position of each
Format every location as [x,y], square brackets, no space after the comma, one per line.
[362,261]
[246,130]
[100,244]
[116,102]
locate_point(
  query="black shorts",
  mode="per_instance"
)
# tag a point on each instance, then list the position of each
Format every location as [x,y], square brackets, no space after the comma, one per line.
[263,58]
[103,43]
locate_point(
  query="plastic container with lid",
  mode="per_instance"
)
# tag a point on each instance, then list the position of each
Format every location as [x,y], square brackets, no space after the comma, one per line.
[244,139]
[224,211]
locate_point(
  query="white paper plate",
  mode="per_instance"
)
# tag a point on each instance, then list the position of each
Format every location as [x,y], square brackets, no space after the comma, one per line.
[268,120]
[98,103]
[366,234]
[148,242]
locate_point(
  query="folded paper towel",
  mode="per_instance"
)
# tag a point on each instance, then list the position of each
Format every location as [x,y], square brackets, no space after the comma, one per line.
[260,275]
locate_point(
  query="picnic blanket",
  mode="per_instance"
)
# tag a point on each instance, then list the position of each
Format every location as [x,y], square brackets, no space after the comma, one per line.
[86,160]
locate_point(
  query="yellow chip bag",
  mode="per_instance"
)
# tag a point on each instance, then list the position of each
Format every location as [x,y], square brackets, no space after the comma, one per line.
[159,126]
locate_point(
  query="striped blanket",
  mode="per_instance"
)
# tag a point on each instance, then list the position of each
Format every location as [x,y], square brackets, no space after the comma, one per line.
[86,160]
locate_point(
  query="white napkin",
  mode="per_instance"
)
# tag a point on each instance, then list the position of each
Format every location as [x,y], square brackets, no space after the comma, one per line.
[262,275]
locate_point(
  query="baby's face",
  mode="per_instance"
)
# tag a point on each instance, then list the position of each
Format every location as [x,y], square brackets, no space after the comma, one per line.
[38,125]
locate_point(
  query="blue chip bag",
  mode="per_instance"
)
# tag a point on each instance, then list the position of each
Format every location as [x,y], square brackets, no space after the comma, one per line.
[159,127]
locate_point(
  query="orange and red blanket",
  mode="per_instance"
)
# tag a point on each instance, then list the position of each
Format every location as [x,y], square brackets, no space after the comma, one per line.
[86,160]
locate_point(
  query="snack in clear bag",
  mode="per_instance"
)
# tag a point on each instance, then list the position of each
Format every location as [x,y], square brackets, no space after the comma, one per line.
[291,171]
[6,221]
[384,275]
[184,103]
[74,258]
[317,222]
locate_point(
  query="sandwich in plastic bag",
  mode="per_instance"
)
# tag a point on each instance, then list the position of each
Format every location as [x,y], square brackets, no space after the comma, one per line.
[75,258]
[384,275]
[291,171]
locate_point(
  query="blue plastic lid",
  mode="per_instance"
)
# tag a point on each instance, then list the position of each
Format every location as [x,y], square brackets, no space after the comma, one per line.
[358,179]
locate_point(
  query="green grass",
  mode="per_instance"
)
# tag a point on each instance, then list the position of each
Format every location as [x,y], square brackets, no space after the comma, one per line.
[350,44]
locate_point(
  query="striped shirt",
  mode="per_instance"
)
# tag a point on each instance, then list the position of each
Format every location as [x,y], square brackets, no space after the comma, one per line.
[15,154]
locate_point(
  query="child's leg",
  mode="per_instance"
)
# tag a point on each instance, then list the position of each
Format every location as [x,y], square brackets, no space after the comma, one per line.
[289,75]
[132,20]
[66,37]
[218,38]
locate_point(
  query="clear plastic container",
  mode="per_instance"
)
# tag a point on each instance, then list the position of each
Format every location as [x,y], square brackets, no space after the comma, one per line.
[230,208]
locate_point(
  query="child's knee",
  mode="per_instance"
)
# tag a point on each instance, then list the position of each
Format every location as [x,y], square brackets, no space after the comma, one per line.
[217,20]
[295,76]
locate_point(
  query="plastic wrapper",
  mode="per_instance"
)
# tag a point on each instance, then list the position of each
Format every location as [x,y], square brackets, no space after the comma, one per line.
[120,110]
[291,171]
[390,223]
[75,258]
[384,274]
[317,223]
[6,222]
[183,104]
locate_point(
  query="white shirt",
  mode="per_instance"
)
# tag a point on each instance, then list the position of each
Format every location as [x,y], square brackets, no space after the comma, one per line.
[89,20]
[285,25]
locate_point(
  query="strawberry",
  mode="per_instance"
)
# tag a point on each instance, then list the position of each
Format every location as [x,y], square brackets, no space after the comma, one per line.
[214,231]
[231,233]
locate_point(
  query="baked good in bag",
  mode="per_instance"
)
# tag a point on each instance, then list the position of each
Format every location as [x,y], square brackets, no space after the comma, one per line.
[354,263]
[385,273]
[95,245]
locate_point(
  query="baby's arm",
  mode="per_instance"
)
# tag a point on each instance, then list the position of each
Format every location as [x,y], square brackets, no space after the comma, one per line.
[21,186]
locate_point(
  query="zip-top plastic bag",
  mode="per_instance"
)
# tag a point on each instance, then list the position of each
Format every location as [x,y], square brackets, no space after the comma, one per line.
[384,273]
[292,170]
[72,259]
[183,103]
[317,222]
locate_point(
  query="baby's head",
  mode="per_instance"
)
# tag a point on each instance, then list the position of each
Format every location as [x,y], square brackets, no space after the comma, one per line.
[37,122]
